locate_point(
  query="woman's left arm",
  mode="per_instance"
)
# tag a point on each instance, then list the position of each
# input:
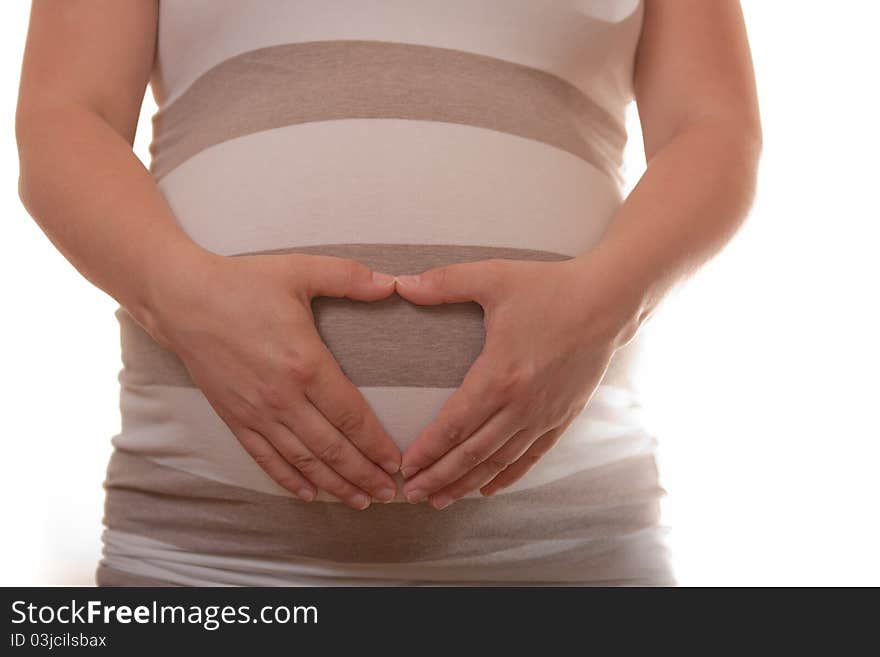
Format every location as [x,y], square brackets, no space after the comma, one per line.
[551,328]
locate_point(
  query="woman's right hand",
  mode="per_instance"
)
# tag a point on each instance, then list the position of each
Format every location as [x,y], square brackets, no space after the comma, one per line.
[244,328]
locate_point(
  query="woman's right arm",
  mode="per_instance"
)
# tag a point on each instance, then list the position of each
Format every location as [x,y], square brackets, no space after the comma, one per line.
[258,358]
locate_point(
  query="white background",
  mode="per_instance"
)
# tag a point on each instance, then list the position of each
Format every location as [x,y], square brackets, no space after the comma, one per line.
[761,376]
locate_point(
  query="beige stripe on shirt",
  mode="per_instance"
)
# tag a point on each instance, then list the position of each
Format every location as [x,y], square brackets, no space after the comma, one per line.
[324,80]
[205,516]
[390,342]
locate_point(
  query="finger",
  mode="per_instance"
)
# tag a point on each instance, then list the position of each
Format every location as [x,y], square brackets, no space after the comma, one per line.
[273,464]
[516,470]
[329,276]
[324,441]
[485,471]
[456,463]
[294,451]
[345,407]
[466,409]
[469,281]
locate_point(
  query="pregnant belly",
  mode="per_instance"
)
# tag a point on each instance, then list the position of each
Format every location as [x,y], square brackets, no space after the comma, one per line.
[400,196]
[385,344]
[405,359]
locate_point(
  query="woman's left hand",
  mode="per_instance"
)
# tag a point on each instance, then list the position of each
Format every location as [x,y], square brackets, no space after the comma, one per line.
[551,329]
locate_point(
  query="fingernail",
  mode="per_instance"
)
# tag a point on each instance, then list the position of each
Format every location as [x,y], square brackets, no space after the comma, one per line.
[306,494]
[409,471]
[391,467]
[409,279]
[441,501]
[381,278]
[414,496]
[361,501]
[386,494]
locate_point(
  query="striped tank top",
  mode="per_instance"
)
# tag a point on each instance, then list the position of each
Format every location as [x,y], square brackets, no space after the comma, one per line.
[405,134]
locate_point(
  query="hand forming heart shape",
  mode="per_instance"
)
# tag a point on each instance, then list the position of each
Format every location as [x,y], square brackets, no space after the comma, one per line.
[550,335]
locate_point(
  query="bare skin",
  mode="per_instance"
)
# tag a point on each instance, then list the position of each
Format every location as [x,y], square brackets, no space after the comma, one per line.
[86,67]
[551,328]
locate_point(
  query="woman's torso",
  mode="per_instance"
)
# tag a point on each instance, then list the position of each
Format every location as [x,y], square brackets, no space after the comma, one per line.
[406,135]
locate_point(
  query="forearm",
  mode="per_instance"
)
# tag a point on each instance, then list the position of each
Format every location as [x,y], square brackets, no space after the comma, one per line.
[84,186]
[693,197]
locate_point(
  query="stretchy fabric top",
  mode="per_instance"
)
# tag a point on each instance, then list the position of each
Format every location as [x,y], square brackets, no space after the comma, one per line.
[405,134]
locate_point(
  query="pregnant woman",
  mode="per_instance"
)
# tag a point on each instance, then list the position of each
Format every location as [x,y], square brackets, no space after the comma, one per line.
[380,294]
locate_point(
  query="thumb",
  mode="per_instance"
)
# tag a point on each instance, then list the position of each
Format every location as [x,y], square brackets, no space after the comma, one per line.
[330,276]
[449,284]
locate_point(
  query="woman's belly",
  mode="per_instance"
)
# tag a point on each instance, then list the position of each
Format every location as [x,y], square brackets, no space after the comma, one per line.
[399,196]
[185,503]
[405,359]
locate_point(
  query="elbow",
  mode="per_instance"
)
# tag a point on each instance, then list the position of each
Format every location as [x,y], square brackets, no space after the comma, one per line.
[24,191]
[24,128]
[26,186]
[35,134]
[752,140]
[753,137]
[21,193]
[28,196]
[737,144]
